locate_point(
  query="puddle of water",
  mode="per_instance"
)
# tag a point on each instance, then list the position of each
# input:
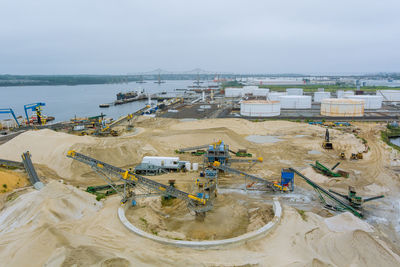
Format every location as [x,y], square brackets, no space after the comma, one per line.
[299,135]
[188,119]
[261,139]
[314,152]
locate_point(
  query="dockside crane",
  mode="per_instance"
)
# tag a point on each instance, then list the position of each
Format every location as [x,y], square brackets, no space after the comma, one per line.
[131,180]
[10,111]
[37,107]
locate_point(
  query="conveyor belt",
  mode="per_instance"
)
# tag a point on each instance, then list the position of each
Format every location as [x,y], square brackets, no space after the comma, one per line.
[249,176]
[10,163]
[192,148]
[117,122]
[130,176]
[33,177]
[328,194]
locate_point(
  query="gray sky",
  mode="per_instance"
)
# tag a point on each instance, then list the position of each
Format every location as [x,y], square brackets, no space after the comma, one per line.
[262,36]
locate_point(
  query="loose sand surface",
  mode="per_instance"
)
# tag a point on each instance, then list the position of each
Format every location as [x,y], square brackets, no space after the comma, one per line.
[62,225]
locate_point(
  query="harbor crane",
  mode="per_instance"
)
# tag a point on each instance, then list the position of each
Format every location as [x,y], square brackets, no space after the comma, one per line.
[37,107]
[10,111]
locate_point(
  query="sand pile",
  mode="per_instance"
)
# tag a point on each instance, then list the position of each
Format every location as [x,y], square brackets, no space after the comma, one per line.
[230,217]
[10,180]
[53,204]
[47,147]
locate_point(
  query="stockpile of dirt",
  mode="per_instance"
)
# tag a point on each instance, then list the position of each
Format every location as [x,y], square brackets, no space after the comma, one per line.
[230,217]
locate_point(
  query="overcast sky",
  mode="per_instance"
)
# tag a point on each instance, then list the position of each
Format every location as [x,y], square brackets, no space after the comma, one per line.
[253,36]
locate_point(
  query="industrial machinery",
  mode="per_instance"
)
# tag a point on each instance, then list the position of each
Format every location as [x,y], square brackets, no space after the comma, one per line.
[356,156]
[131,181]
[33,177]
[354,200]
[218,151]
[286,184]
[10,111]
[108,129]
[36,107]
[324,195]
[241,153]
[342,155]
[29,168]
[329,172]
[327,144]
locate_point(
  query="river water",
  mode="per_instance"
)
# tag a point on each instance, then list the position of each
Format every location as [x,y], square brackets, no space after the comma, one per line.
[65,102]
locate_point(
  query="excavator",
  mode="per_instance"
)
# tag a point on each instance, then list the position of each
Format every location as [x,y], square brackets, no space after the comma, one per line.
[327,144]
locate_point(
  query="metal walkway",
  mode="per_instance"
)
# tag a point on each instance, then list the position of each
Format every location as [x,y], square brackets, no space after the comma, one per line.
[132,178]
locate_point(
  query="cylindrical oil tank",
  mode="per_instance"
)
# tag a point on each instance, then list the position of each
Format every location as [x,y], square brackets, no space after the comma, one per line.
[294,91]
[295,102]
[260,108]
[260,91]
[187,166]
[389,95]
[233,92]
[318,96]
[274,96]
[195,166]
[371,101]
[342,107]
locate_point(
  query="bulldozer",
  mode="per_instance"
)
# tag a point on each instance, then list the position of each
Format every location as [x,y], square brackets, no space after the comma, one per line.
[327,144]
[356,156]
[342,155]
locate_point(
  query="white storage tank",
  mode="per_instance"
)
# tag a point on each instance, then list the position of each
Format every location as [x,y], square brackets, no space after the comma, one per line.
[274,96]
[260,108]
[295,102]
[318,96]
[342,107]
[389,95]
[260,92]
[187,166]
[294,91]
[195,166]
[233,92]
[371,101]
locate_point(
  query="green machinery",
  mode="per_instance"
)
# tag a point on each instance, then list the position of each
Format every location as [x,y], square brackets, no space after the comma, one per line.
[329,172]
[354,200]
[339,205]
[102,191]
